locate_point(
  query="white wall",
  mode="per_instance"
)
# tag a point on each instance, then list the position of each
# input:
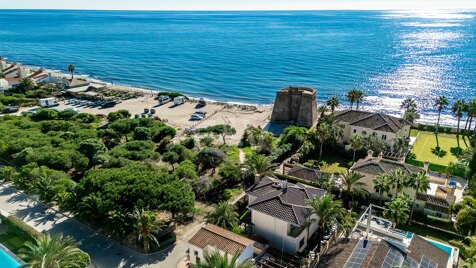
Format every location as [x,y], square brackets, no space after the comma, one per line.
[247,254]
[276,232]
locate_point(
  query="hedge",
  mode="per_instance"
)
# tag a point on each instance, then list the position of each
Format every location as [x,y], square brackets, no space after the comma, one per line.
[172,95]
[19,227]
[431,167]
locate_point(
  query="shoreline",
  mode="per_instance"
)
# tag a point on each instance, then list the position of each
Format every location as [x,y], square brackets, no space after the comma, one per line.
[447,120]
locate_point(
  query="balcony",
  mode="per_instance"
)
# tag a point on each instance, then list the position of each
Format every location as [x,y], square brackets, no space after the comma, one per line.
[295,231]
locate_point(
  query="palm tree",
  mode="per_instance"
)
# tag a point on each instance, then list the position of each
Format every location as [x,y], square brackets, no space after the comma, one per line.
[216,260]
[45,188]
[411,115]
[53,252]
[352,185]
[224,215]
[408,103]
[397,211]
[322,110]
[327,130]
[382,184]
[145,226]
[468,250]
[440,104]
[352,97]
[420,183]
[327,210]
[399,180]
[457,109]
[466,217]
[259,164]
[401,144]
[71,70]
[359,96]
[356,143]
[333,102]
[471,113]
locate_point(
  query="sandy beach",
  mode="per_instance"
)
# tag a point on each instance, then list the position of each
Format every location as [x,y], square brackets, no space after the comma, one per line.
[178,116]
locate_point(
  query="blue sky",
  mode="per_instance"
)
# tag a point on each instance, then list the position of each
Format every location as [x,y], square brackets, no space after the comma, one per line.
[238,4]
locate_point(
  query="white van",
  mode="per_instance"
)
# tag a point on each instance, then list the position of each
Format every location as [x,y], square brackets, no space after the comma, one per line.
[49,102]
[179,100]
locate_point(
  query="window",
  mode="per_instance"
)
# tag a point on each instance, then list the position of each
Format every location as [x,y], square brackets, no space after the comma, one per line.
[198,260]
[301,243]
[355,130]
[438,215]
[364,132]
[374,134]
[196,253]
[384,137]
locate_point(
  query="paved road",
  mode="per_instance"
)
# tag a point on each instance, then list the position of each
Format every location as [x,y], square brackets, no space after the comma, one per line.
[104,252]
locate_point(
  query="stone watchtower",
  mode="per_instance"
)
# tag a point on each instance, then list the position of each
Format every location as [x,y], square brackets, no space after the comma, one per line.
[295,105]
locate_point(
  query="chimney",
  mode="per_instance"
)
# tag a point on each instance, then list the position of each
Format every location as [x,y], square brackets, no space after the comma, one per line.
[426,165]
[257,178]
[370,155]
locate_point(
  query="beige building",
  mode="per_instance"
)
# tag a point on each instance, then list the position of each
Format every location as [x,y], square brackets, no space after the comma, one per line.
[443,192]
[367,124]
[280,215]
[212,238]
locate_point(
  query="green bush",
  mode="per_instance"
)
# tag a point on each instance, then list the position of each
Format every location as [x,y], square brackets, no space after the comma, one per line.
[172,95]
[19,227]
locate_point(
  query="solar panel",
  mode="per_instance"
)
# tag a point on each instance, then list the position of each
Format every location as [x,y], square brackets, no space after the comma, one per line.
[358,254]
[393,259]
[427,263]
[410,263]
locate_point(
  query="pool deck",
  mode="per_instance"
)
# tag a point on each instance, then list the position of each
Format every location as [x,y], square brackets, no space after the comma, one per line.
[15,257]
[453,258]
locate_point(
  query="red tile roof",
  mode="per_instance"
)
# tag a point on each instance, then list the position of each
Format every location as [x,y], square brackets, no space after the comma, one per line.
[224,240]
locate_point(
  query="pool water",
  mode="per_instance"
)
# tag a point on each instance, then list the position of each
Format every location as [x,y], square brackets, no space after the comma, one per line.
[443,247]
[8,261]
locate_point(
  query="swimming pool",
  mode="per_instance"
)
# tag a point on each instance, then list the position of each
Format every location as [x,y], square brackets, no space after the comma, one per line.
[443,247]
[7,260]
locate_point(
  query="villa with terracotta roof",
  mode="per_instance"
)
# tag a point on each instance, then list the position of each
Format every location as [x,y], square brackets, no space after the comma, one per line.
[380,126]
[280,215]
[443,192]
[211,238]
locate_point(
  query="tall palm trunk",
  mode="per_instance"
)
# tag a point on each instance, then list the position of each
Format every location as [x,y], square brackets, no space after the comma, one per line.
[381,197]
[438,121]
[353,157]
[469,126]
[351,104]
[357,106]
[320,150]
[411,211]
[457,132]
[466,127]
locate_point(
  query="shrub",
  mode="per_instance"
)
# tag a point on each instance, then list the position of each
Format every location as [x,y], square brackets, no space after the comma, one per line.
[189,143]
[20,227]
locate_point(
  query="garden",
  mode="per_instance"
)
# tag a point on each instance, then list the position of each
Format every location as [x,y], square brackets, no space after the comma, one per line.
[425,147]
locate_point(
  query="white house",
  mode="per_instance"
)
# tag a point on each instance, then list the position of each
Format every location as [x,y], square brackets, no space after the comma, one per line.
[211,238]
[4,85]
[280,215]
[367,124]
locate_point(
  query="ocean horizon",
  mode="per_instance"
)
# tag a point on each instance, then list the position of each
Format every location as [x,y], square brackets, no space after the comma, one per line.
[246,56]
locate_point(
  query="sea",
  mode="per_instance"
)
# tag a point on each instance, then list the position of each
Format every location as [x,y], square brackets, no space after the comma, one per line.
[245,57]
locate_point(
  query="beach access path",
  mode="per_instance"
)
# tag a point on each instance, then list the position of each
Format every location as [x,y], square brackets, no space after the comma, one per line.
[104,252]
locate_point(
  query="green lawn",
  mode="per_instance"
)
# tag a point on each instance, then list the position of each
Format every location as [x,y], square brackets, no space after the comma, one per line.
[12,241]
[426,141]
[335,163]
[429,233]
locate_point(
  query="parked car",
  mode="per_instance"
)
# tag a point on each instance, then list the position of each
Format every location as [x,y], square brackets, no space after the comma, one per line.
[97,103]
[11,109]
[163,99]
[31,111]
[146,110]
[201,113]
[108,104]
[179,100]
[152,110]
[196,117]
[202,102]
